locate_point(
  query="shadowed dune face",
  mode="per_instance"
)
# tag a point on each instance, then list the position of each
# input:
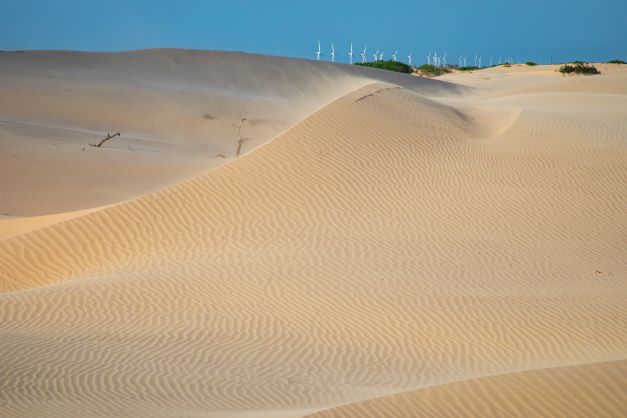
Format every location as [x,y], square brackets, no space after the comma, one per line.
[179,113]
[386,243]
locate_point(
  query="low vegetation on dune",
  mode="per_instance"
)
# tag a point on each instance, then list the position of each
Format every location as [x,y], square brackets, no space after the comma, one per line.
[507,64]
[617,62]
[578,67]
[429,70]
[389,65]
[469,68]
[530,63]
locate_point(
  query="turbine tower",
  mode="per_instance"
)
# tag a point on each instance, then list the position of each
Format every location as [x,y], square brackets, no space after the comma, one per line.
[363,56]
[394,55]
[350,54]
[332,52]
[381,56]
[376,55]
[444,60]
[429,59]
[318,52]
[409,59]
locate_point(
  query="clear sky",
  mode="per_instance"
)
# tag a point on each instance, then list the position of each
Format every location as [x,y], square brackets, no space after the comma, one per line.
[524,29]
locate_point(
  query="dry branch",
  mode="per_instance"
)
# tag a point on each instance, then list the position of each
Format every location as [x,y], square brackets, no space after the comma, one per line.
[99,144]
[241,140]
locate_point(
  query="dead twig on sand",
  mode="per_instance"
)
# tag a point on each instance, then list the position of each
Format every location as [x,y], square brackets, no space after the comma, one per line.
[375,92]
[241,140]
[99,144]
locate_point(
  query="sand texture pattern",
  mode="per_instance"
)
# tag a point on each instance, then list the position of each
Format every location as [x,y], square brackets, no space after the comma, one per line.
[393,250]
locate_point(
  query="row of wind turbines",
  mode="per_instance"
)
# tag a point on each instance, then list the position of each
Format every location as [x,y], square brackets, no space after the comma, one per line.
[377,55]
[435,59]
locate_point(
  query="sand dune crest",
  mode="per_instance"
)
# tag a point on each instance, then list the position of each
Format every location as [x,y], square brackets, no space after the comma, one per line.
[391,241]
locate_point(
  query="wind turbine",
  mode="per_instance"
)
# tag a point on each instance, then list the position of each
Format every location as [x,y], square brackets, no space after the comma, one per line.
[479,62]
[429,59]
[381,56]
[435,59]
[363,56]
[394,55]
[409,59]
[318,52]
[376,55]
[476,56]
[444,60]
[350,54]
[332,52]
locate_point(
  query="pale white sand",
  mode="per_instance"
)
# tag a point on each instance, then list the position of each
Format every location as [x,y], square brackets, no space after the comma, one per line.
[443,245]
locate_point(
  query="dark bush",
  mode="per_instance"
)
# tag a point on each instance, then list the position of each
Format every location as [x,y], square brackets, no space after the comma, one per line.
[579,68]
[531,63]
[389,65]
[617,62]
[507,64]
[432,70]
[469,68]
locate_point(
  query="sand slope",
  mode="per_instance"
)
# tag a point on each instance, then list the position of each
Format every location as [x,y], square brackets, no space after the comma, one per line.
[389,242]
[179,112]
[578,391]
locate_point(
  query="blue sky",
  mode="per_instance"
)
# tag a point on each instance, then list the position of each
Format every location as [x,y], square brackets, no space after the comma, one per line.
[532,29]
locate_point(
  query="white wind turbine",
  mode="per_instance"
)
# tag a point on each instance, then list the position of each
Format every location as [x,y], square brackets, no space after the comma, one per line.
[350,54]
[376,55]
[381,56]
[436,61]
[444,60]
[318,52]
[332,52]
[429,59]
[394,55]
[409,59]
[363,56]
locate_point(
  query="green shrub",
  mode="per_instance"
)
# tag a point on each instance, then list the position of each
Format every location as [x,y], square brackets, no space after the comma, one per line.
[579,68]
[468,68]
[389,65]
[507,64]
[617,62]
[531,63]
[432,70]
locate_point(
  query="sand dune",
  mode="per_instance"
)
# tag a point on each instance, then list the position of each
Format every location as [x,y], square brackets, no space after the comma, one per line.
[179,112]
[391,241]
[578,391]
